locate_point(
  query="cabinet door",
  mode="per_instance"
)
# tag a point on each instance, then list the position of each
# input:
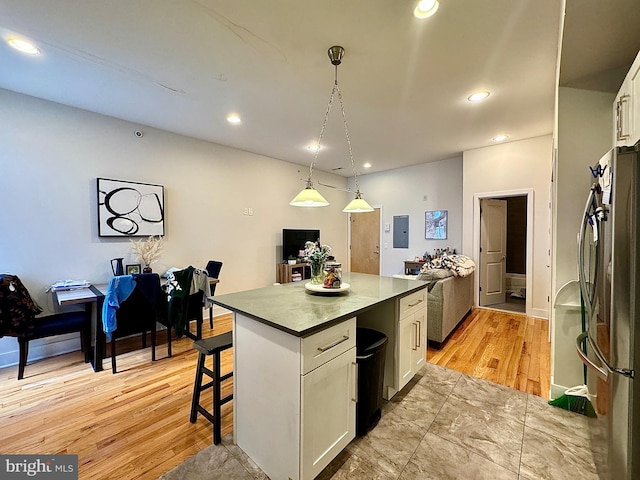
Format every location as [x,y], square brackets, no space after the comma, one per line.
[406,329]
[328,412]
[634,107]
[419,352]
[623,114]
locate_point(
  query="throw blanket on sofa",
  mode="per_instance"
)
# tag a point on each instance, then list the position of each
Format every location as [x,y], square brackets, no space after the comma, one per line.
[458,265]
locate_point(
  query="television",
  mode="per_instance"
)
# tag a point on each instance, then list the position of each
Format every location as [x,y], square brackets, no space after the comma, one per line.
[293,241]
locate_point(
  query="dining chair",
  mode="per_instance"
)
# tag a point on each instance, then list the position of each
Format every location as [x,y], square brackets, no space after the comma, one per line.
[20,316]
[213,270]
[138,313]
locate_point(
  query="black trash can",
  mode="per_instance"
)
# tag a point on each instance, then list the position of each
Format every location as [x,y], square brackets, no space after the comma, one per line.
[371,346]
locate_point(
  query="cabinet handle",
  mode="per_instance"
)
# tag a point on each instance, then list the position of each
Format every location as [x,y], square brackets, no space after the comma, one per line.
[620,110]
[354,397]
[415,344]
[330,346]
[417,303]
[418,335]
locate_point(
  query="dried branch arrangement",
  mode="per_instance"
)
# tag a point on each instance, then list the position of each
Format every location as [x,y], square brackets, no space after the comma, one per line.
[149,250]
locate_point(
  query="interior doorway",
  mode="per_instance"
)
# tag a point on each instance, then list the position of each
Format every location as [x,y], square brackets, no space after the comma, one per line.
[364,242]
[503,245]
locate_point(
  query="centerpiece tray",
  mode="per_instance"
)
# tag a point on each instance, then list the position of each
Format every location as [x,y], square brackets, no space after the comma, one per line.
[326,291]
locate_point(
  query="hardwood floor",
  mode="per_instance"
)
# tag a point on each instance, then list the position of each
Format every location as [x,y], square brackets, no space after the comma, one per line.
[503,347]
[131,425]
[135,424]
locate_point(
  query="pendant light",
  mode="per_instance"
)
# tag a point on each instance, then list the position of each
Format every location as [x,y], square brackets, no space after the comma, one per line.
[309,196]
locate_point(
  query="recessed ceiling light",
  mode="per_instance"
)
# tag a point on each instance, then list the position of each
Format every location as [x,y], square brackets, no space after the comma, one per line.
[426,8]
[313,147]
[500,138]
[23,46]
[234,118]
[478,96]
[366,165]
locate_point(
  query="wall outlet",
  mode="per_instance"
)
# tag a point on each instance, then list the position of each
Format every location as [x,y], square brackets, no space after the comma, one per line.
[250,211]
[245,211]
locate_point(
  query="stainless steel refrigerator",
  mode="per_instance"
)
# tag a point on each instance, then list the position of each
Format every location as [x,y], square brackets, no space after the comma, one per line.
[609,276]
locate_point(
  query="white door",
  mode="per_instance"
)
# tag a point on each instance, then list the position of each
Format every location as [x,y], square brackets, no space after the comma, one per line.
[493,251]
[328,412]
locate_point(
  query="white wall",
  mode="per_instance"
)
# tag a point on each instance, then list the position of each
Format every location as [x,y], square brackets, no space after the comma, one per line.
[585,125]
[51,155]
[401,192]
[507,167]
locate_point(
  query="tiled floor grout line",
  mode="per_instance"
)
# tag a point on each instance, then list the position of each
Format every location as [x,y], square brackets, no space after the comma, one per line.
[524,427]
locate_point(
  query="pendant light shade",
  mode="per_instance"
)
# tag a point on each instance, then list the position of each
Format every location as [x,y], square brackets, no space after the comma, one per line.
[358,205]
[309,197]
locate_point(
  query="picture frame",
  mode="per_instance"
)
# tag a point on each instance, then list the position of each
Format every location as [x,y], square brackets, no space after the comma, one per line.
[133,268]
[129,209]
[435,224]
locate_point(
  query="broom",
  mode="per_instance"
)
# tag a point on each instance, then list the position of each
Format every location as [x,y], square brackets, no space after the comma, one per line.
[576,399]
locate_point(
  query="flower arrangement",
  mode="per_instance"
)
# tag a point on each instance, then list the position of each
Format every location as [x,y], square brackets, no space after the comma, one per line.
[316,255]
[149,250]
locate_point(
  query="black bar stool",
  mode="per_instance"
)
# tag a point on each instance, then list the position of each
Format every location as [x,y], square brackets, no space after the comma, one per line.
[211,346]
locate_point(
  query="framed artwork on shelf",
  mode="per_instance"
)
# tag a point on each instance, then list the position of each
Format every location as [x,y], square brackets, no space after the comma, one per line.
[130,209]
[435,222]
[133,268]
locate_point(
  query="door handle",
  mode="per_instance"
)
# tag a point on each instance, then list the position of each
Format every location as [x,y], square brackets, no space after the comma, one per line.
[415,331]
[604,371]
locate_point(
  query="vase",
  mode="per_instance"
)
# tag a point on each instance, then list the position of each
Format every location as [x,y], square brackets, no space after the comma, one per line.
[147,269]
[317,273]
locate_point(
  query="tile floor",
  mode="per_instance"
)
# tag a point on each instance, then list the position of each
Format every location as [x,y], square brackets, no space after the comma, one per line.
[443,425]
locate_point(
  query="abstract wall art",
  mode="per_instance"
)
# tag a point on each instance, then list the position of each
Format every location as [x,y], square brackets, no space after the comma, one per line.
[130,209]
[435,224]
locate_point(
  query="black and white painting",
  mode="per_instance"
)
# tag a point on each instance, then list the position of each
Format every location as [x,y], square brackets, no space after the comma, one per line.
[435,224]
[130,209]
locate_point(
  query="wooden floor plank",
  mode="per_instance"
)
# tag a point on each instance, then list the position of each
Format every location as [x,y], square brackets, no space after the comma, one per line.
[503,347]
[134,424]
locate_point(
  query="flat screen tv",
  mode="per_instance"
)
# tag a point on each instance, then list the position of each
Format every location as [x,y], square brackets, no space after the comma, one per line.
[293,241]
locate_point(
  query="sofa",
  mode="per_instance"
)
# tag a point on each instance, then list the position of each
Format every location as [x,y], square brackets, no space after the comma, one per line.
[449,300]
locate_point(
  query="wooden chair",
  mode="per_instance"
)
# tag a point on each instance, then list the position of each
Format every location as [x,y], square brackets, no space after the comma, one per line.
[19,317]
[138,314]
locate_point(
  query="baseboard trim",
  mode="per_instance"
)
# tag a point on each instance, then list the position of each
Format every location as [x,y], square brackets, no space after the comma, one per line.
[540,313]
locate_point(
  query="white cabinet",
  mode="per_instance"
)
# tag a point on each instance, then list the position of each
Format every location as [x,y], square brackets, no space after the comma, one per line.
[295,397]
[328,412]
[411,336]
[404,321]
[626,108]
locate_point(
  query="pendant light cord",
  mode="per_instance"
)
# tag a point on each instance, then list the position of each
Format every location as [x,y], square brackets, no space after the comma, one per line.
[336,88]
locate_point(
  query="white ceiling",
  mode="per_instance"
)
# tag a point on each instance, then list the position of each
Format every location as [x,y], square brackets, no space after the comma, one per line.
[182,65]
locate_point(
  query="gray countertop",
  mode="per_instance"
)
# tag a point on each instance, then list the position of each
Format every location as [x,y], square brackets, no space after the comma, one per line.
[293,309]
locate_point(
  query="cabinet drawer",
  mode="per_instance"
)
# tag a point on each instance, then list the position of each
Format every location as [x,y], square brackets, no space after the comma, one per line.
[327,344]
[412,302]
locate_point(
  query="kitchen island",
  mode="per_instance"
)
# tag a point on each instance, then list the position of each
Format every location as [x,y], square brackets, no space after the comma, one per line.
[295,370]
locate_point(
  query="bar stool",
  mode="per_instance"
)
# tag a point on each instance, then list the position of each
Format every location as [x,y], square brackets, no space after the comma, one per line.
[211,346]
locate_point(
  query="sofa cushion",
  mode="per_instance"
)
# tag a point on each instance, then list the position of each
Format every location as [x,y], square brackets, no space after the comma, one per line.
[434,274]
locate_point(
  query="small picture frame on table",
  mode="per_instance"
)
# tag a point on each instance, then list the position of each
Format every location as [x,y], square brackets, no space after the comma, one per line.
[133,268]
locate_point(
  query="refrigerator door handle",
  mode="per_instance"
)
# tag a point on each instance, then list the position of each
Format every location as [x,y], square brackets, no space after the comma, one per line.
[603,372]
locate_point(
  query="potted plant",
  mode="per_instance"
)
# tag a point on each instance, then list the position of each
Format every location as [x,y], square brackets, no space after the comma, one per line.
[292,260]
